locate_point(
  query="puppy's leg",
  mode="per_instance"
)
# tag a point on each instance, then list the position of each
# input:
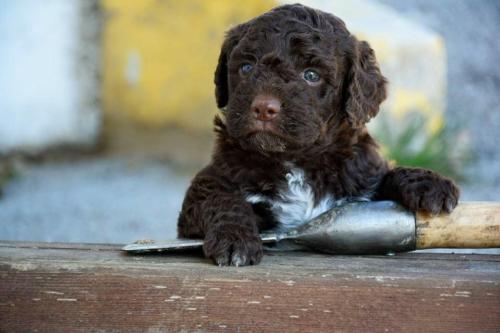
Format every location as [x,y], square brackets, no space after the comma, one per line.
[419,190]
[224,220]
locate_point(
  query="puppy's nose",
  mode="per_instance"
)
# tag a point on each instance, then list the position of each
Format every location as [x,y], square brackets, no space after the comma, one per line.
[265,107]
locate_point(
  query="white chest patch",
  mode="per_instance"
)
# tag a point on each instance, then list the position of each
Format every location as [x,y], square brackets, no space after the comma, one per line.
[295,203]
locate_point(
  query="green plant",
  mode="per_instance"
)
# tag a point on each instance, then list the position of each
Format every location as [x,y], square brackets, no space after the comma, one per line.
[445,150]
[7,172]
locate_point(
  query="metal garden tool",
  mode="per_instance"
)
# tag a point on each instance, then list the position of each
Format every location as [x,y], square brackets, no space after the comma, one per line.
[377,227]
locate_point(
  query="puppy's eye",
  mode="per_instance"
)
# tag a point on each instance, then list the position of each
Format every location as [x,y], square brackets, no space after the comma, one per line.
[310,75]
[245,68]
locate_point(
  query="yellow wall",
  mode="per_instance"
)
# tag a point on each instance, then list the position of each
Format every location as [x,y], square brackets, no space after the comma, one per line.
[159,57]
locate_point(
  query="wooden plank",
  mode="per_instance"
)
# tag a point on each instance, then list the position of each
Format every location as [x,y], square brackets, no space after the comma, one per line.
[63,288]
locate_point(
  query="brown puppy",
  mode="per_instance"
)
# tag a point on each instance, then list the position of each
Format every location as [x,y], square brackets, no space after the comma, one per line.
[296,89]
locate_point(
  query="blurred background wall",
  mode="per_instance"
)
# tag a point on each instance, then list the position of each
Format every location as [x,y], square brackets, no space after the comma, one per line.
[155,65]
[470,30]
[132,81]
[49,74]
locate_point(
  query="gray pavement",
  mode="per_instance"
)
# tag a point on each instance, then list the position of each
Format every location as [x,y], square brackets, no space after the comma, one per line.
[94,200]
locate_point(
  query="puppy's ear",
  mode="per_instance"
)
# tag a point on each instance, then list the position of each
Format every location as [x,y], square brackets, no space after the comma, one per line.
[221,79]
[366,86]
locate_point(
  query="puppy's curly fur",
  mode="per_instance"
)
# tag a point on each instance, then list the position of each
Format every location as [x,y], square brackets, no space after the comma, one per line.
[318,134]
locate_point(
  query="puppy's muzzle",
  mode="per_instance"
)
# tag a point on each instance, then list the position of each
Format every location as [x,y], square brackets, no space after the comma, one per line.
[265,107]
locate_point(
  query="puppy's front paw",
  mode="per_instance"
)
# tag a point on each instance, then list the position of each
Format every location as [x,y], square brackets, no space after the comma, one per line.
[427,191]
[231,246]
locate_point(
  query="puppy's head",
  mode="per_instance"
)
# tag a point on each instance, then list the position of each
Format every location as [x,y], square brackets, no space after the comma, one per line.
[294,76]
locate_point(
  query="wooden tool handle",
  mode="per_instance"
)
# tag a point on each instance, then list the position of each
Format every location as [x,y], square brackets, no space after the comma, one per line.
[470,225]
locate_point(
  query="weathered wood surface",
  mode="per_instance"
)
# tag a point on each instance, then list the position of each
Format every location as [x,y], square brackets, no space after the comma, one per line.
[97,288]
